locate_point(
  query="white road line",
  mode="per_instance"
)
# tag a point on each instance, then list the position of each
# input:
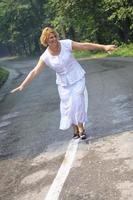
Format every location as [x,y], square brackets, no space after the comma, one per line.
[63,171]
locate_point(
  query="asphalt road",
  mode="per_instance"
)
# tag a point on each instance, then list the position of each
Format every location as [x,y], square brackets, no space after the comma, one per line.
[29,120]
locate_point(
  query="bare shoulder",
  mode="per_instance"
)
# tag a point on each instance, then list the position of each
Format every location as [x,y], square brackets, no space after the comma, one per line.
[40,65]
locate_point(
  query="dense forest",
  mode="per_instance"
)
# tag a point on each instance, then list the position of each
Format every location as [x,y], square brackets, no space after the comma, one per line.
[102,21]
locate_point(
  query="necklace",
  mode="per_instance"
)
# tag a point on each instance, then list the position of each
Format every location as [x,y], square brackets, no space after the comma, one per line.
[55,51]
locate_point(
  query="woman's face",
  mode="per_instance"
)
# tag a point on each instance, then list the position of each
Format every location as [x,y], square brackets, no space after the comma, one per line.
[52,40]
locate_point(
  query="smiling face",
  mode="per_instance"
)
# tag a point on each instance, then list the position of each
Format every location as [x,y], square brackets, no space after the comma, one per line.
[49,37]
[52,40]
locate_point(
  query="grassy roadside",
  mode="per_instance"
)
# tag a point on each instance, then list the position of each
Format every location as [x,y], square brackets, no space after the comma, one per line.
[122,51]
[3,76]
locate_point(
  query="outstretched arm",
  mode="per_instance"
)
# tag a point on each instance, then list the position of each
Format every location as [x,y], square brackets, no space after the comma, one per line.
[92,46]
[37,70]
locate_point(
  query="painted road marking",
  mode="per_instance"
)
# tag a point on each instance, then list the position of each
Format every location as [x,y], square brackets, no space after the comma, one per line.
[63,171]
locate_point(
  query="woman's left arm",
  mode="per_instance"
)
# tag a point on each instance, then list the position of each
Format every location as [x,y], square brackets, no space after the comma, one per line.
[92,46]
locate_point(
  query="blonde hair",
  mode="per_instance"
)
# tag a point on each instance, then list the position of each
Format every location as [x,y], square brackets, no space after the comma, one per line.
[45,34]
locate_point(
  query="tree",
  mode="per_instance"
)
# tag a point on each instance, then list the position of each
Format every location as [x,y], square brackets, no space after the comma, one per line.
[21,25]
[120,13]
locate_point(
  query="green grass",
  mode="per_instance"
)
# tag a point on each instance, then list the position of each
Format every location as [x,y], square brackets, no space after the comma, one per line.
[122,51]
[3,76]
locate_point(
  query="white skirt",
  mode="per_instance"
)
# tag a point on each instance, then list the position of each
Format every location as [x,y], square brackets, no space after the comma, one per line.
[73,104]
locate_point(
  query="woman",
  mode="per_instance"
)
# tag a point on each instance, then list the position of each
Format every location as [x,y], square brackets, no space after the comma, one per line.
[70,77]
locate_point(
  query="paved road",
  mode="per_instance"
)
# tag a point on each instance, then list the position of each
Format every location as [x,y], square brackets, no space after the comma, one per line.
[30,142]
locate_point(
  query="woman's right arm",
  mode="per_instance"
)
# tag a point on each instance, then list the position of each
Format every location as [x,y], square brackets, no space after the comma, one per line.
[33,73]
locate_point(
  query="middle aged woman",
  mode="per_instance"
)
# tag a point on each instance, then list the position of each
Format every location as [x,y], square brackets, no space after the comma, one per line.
[70,77]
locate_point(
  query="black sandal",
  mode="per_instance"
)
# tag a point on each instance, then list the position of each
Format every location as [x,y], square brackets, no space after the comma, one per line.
[76,136]
[82,135]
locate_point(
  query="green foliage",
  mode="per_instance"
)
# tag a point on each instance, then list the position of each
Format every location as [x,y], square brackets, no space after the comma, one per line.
[102,21]
[124,51]
[21,24]
[3,76]
[77,19]
[120,14]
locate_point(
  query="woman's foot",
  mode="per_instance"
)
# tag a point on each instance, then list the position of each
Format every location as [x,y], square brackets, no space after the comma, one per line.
[83,136]
[76,132]
[82,133]
[75,136]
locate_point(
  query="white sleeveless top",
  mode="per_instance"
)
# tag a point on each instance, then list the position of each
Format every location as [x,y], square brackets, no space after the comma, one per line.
[68,70]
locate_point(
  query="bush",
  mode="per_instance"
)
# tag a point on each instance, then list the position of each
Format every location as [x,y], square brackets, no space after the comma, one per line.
[3,76]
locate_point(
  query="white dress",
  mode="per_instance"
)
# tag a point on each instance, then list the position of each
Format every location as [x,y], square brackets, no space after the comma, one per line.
[71,85]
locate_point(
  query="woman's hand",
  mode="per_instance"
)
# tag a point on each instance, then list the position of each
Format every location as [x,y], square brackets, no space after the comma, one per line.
[19,88]
[109,48]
